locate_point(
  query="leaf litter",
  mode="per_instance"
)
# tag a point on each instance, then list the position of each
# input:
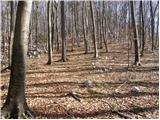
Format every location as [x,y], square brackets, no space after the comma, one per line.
[47,86]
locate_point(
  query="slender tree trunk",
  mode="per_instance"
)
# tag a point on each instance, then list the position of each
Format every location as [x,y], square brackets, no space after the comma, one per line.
[52,24]
[2,28]
[63,32]
[101,31]
[94,31]
[8,24]
[87,24]
[30,35]
[129,33]
[49,34]
[103,28]
[136,41]
[152,24]
[15,105]
[12,31]
[73,32]
[157,33]
[142,28]
[75,23]
[57,46]
[84,29]
[36,27]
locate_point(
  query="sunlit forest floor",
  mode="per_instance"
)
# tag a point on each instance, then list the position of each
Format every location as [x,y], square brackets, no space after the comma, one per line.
[47,86]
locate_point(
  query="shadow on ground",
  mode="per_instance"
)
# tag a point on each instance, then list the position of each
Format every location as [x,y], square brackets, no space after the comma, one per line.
[94,114]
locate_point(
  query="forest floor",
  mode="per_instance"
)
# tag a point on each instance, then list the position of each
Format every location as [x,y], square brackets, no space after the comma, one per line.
[47,86]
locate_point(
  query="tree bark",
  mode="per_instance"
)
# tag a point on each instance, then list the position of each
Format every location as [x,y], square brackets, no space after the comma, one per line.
[152,24]
[100,27]
[52,24]
[12,31]
[30,33]
[84,29]
[136,41]
[57,37]
[75,23]
[94,31]
[157,32]
[63,33]
[49,33]
[142,28]
[73,32]
[36,27]
[103,28]
[15,105]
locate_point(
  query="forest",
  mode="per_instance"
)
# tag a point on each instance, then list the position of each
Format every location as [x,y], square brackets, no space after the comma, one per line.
[79,59]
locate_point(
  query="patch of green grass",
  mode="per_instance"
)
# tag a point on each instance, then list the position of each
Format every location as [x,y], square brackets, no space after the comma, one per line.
[106,85]
[102,85]
[93,92]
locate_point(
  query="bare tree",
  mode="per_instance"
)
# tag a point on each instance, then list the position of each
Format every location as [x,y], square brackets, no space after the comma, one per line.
[15,105]
[36,24]
[152,13]
[94,30]
[12,31]
[73,31]
[136,41]
[49,33]
[63,33]
[75,22]
[142,28]
[152,24]
[84,28]
[103,27]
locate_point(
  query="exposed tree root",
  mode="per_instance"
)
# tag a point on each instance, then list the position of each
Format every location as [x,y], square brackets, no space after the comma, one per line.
[13,112]
[61,60]
[138,64]
[49,63]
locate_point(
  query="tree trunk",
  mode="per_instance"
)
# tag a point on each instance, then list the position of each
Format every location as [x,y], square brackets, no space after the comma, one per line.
[12,31]
[63,33]
[2,28]
[52,24]
[136,41]
[30,34]
[94,31]
[157,33]
[73,32]
[15,105]
[36,27]
[84,29]
[100,28]
[142,28]
[103,28]
[75,23]
[49,34]
[152,24]
[57,42]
